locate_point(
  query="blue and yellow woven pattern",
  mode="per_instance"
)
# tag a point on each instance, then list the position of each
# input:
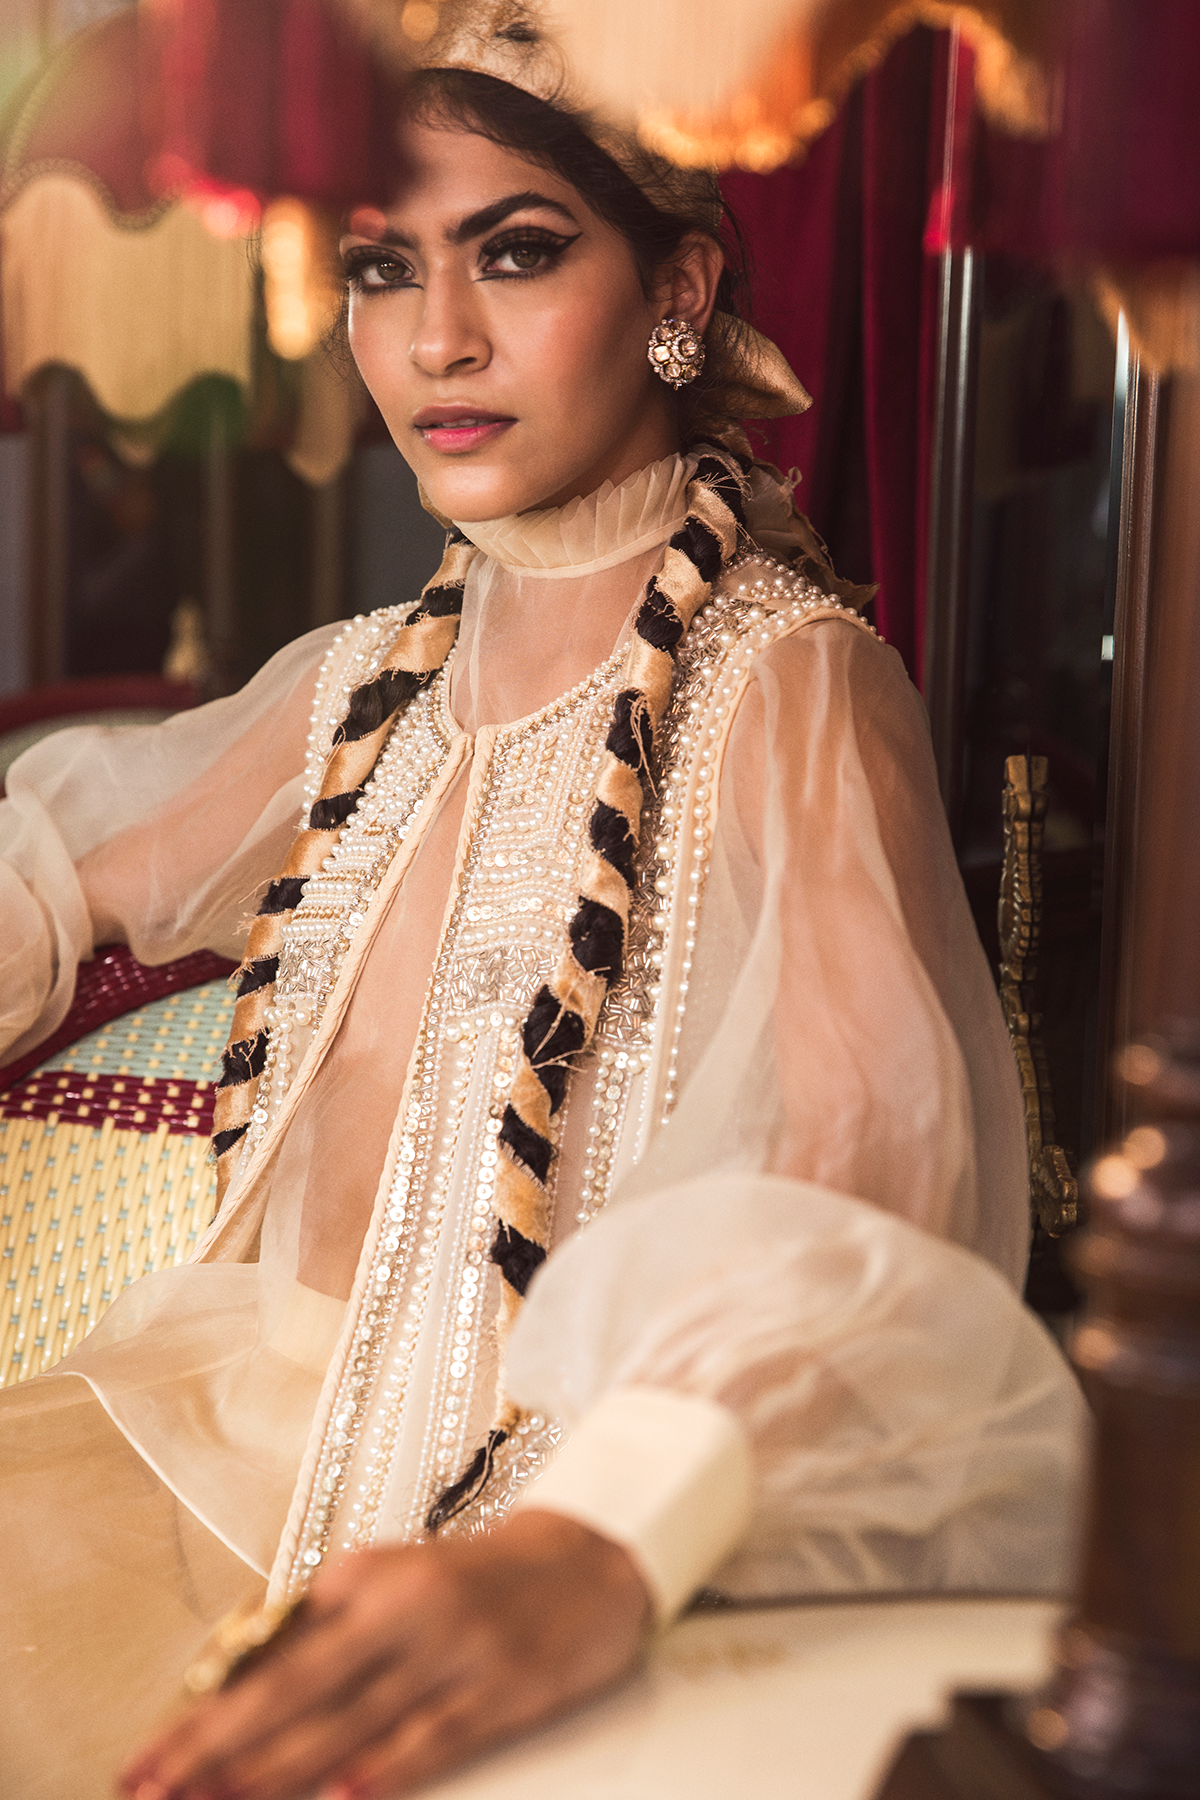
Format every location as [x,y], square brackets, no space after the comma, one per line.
[104,1168]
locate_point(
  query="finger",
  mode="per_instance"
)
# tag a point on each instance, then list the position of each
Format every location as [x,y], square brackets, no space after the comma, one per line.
[310,1674]
[294,1760]
[494,1698]
[448,1730]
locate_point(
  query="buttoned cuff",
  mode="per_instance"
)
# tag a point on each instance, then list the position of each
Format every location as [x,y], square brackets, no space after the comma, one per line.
[665,1475]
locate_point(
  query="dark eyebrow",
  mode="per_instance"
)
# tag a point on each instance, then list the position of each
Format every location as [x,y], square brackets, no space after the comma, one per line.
[488,217]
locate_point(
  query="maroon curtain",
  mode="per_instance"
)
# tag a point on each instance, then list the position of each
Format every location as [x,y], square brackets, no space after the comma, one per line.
[846,286]
[847,242]
[1119,179]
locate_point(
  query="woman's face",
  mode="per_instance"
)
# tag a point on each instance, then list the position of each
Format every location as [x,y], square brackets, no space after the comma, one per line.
[501,327]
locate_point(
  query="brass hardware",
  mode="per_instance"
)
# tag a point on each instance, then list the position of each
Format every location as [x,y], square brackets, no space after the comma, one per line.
[1053,1188]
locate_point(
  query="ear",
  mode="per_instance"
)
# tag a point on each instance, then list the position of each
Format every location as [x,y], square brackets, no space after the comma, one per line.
[689,282]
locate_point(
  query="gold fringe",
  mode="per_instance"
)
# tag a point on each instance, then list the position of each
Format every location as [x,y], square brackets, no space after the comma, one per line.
[140,314]
[810,71]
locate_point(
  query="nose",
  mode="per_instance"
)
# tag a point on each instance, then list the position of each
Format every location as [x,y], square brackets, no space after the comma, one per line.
[450,337]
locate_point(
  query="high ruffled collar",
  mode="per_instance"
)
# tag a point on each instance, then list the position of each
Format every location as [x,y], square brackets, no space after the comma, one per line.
[597,531]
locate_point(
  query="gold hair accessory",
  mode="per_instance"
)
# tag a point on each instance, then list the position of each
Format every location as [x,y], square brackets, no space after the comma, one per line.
[676,352]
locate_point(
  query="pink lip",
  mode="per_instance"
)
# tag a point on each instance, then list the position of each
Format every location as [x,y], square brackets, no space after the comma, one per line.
[456,429]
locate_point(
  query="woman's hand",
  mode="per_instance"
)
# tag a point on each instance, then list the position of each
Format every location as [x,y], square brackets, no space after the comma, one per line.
[408,1661]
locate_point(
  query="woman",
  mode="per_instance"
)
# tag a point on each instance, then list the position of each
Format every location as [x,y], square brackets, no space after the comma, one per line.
[621,870]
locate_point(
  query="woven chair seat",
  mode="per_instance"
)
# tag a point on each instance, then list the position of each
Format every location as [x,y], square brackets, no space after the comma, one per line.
[104,1139]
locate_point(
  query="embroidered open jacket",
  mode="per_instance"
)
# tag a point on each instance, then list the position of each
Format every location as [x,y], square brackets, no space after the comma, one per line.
[778,1332]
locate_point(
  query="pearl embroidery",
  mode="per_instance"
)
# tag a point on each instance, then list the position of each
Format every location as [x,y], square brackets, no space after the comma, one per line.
[430,1290]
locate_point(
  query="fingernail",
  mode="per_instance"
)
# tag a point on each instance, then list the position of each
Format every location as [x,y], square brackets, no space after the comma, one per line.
[151,1790]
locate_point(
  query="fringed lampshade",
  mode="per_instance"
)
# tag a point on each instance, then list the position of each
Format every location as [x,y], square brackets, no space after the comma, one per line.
[1097,161]
[153,166]
[280,97]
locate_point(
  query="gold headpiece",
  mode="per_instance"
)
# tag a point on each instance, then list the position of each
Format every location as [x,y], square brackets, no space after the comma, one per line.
[515,41]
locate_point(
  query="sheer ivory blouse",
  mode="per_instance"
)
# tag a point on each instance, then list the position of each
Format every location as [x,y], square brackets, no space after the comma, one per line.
[778,1344]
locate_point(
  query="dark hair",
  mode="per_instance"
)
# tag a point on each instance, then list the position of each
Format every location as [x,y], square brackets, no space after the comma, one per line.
[554,137]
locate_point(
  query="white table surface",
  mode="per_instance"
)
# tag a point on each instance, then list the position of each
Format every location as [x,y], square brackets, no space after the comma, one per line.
[806,1702]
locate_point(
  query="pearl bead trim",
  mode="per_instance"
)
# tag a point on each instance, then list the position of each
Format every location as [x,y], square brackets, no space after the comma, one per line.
[517,888]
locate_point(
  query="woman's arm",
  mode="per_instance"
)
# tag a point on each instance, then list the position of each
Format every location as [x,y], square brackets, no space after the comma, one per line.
[787,1249]
[409,1661]
[156,836]
[842,1026]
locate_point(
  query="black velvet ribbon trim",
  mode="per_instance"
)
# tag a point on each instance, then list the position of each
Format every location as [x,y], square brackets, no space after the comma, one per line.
[527,1145]
[598,940]
[551,1035]
[257,974]
[244,1060]
[331,814]
[630,736]
[517,1257]
[440,602]
[283,895]
[372,704]
[613,840]
[702,546]
[657,620]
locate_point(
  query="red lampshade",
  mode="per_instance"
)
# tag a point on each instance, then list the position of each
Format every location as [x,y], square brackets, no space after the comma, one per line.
[275,96]
[255,97]
[82,112]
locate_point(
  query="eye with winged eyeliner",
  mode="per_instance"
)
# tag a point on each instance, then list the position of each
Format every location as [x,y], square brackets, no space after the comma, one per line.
[530,250]
[524,241]
[396,271]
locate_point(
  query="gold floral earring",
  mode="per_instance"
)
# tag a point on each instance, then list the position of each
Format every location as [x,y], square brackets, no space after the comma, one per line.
[676,352]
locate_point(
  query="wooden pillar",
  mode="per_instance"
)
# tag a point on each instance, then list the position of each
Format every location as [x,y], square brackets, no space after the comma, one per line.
[328,550]
[1127,1702]
[1166,955]
[1142,465]
[49,405]
[1124,1712]
[220,588]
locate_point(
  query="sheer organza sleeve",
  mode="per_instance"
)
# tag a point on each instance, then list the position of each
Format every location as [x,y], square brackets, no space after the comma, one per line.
[825,1238]
[842,1024]
[156,836]
[905,1422]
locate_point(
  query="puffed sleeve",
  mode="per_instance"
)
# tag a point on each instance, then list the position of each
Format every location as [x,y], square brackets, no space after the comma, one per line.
[157,836]
[842,1024]
[776,1389]
[810,1278]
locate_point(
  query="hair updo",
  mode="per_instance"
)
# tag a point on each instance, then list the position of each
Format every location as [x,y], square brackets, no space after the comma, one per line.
[556,138]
